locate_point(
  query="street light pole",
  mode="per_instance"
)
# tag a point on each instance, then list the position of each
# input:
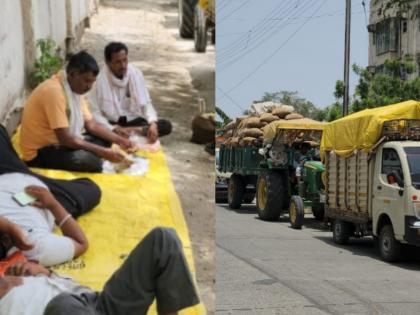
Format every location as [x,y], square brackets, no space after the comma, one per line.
[346,59]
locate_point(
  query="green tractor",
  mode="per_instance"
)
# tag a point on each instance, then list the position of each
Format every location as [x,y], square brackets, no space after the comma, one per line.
[272,172]
[309,192]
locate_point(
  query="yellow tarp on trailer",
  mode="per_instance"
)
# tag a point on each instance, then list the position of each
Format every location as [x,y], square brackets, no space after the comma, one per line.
[303,124]
[361,130]
[130,207]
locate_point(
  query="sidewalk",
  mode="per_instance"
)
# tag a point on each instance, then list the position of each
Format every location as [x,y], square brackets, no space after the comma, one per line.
[176,77]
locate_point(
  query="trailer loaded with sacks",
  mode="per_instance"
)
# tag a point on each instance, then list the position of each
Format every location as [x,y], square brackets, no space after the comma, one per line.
[275,151]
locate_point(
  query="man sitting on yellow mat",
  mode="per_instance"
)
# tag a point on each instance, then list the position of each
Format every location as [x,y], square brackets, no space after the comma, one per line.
[156,268]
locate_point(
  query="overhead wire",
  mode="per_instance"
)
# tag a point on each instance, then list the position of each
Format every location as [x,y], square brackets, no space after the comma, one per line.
[259,25]
[230,98]
[269,57]
[233,11]
[227,61]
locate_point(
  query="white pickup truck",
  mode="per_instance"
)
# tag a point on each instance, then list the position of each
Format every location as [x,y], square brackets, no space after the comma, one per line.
[377,191]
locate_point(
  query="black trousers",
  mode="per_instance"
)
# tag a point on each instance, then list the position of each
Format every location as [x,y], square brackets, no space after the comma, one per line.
[164,126]
[77,196]
[156,268]
[59,157]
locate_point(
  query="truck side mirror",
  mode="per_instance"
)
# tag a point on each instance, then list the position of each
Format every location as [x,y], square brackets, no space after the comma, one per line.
[394,177]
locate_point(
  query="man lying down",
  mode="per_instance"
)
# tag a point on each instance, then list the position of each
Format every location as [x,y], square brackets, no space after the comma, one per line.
[26,201]
[156,268]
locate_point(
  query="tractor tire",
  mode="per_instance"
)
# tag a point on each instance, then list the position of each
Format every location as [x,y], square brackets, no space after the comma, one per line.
[200,29]
[318,211]
[271,192]
[389,247]
[296,212]
[236,191]
[341,231]
[186,18]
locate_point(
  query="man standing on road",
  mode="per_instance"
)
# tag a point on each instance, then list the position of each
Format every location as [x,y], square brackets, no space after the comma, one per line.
[121,100]
[55,116]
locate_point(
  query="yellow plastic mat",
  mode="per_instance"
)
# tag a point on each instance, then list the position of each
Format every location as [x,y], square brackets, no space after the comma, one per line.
[130,207]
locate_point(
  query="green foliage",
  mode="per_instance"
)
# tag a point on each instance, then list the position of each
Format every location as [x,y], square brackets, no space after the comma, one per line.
[225,118]
[388,87]
[47,64]
[301,105]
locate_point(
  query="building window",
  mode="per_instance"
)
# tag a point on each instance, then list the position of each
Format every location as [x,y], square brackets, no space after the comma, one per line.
[387,35]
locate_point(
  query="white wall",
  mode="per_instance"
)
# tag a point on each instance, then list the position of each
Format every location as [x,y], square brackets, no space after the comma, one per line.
[12,59]
[50,20]
[22,23]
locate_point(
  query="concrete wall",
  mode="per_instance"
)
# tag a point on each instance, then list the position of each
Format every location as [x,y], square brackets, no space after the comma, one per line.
[22,23]
[12,73]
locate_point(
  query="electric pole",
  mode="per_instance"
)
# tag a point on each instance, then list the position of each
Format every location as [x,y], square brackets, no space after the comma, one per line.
[346,59]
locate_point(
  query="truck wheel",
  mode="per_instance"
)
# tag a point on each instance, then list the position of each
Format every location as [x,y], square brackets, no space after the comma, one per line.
[186,18]
[318,211]
[236,190]
[296,212]
[249,197]
[200,29]
[389,247]
[271,192]
[341,231]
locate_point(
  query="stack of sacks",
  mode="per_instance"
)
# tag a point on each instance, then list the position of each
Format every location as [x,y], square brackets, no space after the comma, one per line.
[247,130]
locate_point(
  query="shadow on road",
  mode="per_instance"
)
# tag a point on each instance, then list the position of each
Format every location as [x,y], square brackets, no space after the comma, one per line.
[410,258]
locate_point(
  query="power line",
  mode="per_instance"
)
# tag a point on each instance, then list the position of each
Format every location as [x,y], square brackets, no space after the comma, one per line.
[254,29]
[233,11]
[230,98]
[296,21]
[273,53]
[238,55]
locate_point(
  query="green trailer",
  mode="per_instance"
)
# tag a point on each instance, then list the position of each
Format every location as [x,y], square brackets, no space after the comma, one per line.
[272,171]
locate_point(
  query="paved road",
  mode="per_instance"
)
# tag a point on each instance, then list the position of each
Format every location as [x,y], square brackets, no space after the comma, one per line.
[269,268]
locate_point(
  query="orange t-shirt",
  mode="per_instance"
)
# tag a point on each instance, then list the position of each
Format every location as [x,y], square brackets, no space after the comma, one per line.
[44,111]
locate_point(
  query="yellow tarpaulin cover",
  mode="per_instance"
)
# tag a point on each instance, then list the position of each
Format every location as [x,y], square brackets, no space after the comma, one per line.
[303,123]
[130,207]
[361,130]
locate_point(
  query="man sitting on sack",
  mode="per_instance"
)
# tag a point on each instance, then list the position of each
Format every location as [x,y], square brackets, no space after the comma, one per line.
[55,116]
[121,100]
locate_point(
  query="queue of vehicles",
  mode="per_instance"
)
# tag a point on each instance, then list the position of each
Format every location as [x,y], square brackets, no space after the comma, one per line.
[366,185]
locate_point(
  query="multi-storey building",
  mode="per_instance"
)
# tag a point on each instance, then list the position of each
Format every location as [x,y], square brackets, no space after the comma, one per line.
[393,34]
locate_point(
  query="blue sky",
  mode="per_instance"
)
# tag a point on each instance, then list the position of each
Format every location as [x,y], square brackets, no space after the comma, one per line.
[273,45]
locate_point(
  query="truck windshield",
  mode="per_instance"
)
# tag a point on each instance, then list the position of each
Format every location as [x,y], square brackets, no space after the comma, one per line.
[413,158]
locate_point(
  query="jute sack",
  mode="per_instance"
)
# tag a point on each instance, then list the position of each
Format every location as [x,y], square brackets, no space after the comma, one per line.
[230,126]
[248,140]
[251,132]
[282,110]
[268,117]
[251,122]
[203,129]
[293,116]
[234,142]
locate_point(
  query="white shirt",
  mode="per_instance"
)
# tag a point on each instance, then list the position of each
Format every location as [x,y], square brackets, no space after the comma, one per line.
[147,111]
[50,249]
[32,297]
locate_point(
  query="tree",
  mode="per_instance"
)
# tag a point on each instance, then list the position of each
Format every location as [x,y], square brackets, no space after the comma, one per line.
[389,86]
[225,118]
[301,105]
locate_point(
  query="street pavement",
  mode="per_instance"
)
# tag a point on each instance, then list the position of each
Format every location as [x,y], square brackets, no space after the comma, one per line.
[269,268]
